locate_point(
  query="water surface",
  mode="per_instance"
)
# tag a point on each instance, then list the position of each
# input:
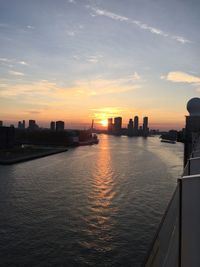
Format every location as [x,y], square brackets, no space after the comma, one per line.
[90,206]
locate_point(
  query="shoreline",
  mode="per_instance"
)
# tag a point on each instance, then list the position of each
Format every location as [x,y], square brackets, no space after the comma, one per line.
[19,159]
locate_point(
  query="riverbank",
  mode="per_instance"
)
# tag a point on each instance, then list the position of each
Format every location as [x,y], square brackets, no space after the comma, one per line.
[17,155]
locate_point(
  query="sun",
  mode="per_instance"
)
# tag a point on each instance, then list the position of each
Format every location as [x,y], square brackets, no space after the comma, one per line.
[104,123]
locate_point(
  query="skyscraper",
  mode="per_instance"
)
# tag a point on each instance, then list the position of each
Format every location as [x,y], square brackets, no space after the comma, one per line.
[60,126]
[145,126]
[23,124]
[19,125]
[117,125]
[136,125]
[52,125]
[130,127]
[32,125]
[110,125]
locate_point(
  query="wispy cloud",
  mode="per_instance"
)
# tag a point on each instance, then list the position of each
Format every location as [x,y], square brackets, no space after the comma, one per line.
[72,1]
[3,85]
[80,89]
[106,112]
[104,87]
[108,14]
[71,33]
[181,77]
[16,73]
[30,27]
[136,76]
[139,24]
[11,62]
[23,63]
[3,59]
[94,59]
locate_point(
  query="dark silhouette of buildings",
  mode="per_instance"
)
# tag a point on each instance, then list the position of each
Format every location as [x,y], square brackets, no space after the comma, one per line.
[52,125]
[117,126]
[130,127]
[110,125]
[133,128]
[32,125]
[21,125]
[1,123]
[136,125]
[60,126]
[145,126]
[7,137]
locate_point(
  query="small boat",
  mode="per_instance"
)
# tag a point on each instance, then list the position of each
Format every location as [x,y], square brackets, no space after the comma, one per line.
[168,141]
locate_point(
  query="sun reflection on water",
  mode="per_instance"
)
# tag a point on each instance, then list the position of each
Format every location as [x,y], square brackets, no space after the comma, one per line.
[100,220]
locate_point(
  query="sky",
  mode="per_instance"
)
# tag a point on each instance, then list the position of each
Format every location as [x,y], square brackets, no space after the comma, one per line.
[78,60]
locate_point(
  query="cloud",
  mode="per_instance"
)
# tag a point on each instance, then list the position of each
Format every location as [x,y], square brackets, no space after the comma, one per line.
[23,63]
[61,101]
[30,27]
[136,76]
[16,73]
[71,1]
[181,77]
[71,33]
[3,85]
[76,57]
[94,59]
[107,112]
[8,62]
[33,112]
[103,87]
[108,14]
[139,24]
[181,39]
[2,59]
[49,92]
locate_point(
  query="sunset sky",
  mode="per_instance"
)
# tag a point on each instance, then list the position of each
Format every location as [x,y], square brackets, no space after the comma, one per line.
[78,60]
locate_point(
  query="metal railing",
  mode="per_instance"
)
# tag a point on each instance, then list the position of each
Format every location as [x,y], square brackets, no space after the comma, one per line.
[164,250]
[177,241]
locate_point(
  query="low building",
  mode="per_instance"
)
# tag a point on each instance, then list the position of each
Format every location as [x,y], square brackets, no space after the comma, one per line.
[7,137]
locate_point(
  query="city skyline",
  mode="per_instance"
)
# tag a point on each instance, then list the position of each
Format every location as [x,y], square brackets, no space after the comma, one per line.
[76,61]
[53,125]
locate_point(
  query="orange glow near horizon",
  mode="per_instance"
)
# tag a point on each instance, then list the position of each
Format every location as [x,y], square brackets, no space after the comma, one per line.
[104,123]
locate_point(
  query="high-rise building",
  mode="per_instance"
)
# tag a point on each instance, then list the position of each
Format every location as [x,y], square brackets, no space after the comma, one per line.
[23,124]
[117,125]
[52,125]
[32,125]
[136,125]
[145,126]
[130,127]
[1,123]
[60,126]
[110,125]
[19,125]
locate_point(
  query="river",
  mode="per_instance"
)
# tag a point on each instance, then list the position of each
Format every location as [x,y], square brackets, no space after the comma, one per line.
[90,206]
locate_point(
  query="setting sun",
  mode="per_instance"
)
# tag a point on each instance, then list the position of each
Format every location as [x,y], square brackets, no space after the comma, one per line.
[104,123]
